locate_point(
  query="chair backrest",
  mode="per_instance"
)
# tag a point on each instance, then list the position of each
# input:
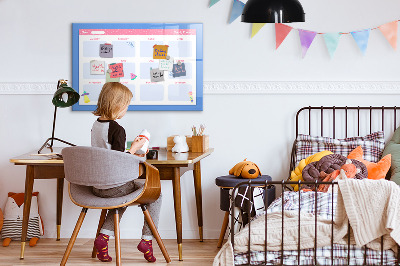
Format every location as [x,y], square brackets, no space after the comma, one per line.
[92,166]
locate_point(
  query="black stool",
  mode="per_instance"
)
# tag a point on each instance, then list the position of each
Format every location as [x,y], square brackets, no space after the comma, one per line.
[226,183]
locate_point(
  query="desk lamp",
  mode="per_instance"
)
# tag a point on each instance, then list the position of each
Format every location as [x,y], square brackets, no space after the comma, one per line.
[273,11]
[63,97]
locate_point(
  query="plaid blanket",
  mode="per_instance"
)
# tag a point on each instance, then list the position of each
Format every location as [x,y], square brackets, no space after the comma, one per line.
[323,205]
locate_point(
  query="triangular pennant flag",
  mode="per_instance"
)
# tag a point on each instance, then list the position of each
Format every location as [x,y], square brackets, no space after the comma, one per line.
[213,2]
[306,39]
[256,28]
[361,37]
[389,30]
[332,41]
[237,9]
[281,31]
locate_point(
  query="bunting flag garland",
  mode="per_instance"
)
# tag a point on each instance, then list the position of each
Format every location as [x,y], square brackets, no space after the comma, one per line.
[256,27]
[306,39]
[389,30]
[213,2]
[332,41]
[237,9]
[281,31]
[361,38]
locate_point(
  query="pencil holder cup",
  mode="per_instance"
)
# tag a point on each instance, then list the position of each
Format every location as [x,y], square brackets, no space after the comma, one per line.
[200,143]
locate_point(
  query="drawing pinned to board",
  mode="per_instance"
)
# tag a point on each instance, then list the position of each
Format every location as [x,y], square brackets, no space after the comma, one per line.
[156,75]
[106,50]
[117,70]
[133,76]
[179,70]
[191,96]
[85,97]
[160,51]
[97,67]
[166,64]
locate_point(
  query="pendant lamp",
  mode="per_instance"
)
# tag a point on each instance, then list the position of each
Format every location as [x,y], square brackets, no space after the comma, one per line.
[63,97]
[273,11]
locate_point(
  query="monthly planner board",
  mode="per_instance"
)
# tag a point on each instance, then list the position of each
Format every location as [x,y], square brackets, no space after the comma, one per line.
[162,64]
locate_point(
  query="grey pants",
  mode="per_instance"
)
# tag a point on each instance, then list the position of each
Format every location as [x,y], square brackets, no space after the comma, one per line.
[154,208]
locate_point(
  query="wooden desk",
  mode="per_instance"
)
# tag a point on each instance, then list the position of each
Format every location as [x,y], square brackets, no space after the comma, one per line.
[171,167]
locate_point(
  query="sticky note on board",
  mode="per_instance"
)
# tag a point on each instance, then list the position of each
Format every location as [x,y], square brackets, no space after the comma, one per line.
[117,70]
[179,70]
[166,64]
[97,67]
[160,51]
[156,75]
[109,79]
[106,50]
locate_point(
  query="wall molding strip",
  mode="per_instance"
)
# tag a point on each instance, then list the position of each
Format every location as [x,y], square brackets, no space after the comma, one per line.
[244,87]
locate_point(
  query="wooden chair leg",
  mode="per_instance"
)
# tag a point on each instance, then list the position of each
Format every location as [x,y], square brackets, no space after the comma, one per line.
[154,230]
[223,229]
[117,238]
[101,222]
[73,237]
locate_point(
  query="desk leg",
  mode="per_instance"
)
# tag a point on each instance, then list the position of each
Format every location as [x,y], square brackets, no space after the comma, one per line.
[199,204]
[27,206]
[176,182]
[60,190]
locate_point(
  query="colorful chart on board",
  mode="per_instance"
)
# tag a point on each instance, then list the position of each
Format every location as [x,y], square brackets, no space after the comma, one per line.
[162,64]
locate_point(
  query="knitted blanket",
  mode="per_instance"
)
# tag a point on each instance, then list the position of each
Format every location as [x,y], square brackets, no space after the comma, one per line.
[371,207]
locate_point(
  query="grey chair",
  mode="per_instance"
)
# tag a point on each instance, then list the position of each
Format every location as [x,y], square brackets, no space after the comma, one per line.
[85,167]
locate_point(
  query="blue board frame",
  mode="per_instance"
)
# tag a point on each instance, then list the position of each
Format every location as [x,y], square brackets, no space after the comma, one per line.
[199,62]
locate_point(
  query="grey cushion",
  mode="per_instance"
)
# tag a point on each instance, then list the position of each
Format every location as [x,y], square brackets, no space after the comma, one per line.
[393,148]
[83,195]
[99,167]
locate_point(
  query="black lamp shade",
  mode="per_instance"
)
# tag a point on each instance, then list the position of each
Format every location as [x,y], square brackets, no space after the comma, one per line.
[273,11]
[73,96]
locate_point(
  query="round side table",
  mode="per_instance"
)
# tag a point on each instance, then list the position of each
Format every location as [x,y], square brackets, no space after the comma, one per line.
[226,183]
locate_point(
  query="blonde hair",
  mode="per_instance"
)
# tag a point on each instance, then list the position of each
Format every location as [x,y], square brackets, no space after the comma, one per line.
[112,99]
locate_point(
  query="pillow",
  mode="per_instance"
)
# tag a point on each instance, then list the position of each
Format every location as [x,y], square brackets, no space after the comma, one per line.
[296,174]
[372,144]
[393,148]
[375,170]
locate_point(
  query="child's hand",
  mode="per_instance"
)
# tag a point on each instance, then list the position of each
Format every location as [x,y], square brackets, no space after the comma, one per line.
[143,155]
[137,144]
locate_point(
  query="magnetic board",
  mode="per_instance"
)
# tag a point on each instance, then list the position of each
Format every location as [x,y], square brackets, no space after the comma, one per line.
[161,63]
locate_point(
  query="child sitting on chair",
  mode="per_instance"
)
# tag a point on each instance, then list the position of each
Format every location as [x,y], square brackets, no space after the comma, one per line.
[106,133]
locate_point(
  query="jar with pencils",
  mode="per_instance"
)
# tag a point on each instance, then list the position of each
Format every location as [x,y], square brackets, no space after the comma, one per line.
[200,141]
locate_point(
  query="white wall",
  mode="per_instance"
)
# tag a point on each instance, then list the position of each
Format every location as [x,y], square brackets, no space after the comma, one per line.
[35,46]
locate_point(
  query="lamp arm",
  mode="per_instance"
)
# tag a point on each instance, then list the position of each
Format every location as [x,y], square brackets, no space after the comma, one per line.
[54,126]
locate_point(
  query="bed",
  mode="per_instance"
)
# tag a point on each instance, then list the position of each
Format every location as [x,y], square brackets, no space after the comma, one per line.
[298,227]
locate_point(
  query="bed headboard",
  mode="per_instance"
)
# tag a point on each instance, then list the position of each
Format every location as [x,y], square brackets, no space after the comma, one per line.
[344,121]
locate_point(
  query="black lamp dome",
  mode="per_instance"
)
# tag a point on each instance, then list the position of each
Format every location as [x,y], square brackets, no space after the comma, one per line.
[273,11]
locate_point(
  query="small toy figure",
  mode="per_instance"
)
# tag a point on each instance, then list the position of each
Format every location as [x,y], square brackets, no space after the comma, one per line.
[180,144]
[245,169]
[13,215]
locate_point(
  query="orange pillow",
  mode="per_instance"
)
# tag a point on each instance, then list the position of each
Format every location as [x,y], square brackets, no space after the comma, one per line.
[375,170]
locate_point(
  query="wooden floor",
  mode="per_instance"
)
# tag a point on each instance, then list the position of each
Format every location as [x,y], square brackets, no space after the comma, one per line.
[50,252]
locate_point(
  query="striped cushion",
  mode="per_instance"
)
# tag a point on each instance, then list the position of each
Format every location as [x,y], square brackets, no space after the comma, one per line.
[13,228]
[372,145]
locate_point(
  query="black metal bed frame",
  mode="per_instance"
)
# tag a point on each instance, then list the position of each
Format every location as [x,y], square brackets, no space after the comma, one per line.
[283,184]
